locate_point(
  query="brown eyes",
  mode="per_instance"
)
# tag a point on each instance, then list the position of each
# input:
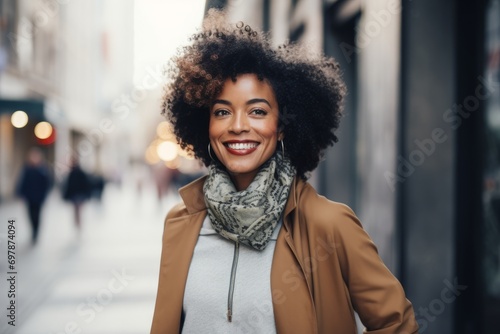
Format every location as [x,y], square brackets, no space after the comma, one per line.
[225,112]
[261,112]
[221,112]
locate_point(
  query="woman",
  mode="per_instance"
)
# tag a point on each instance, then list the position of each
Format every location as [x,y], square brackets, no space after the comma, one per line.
[253,248]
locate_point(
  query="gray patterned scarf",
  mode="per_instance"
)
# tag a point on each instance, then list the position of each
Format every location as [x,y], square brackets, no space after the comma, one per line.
[249,216]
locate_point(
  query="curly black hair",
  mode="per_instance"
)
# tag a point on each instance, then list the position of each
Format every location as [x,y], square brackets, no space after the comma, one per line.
[309,90]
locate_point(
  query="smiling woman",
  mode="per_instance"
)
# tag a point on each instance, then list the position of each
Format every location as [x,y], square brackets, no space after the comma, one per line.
[252,247]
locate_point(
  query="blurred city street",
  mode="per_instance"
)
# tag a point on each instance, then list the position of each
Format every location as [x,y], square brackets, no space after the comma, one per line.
[102,280]
[81,99]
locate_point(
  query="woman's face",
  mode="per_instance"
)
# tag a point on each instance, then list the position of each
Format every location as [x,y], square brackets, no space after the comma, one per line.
[243,127]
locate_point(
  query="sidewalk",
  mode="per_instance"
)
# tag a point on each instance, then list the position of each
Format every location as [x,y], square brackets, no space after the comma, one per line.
[100,281]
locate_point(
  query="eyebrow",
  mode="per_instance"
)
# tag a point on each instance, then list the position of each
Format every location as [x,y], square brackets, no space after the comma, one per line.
[252,101]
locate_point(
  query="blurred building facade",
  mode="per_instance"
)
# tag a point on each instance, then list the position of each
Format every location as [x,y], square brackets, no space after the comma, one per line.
[418,156]
[67,63]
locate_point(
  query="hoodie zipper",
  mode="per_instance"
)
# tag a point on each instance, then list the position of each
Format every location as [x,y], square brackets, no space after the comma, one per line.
[231,282]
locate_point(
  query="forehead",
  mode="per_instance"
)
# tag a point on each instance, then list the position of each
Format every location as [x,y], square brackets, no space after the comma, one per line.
[247,86]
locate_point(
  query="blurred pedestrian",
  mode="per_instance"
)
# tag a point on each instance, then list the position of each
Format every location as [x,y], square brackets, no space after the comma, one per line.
[77,189]
[97,182]
[33,187]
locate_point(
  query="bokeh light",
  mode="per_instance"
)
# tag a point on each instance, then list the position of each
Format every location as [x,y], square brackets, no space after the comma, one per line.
[173,164]
[164,131]
[151,156]
[167,151]
[43,130]
[19,119]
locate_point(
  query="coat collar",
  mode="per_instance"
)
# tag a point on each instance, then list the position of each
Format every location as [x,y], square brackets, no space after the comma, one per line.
[193,197]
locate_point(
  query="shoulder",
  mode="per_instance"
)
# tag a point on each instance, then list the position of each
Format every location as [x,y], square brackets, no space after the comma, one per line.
[323,218]
[324,214]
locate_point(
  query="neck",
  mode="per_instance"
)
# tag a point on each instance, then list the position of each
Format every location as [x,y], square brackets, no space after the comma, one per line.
[242,181]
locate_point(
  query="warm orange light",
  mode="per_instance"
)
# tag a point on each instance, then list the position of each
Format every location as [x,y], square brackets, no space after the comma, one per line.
[19,119]
[167,151]
[164,131]
[151,156]
[173,164]
[43,130]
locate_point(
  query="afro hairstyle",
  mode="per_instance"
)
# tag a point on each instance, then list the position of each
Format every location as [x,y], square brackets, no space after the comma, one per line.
[308,88]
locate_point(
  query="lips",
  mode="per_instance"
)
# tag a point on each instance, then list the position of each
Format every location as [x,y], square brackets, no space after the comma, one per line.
[241,147]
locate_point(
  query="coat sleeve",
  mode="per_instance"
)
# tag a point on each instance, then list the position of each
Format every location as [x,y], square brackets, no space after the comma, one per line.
[376,295]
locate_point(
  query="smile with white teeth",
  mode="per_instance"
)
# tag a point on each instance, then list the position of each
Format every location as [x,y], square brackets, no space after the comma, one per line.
[241,146]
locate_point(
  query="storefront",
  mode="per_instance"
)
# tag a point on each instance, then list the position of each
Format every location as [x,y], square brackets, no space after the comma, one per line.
[22,125]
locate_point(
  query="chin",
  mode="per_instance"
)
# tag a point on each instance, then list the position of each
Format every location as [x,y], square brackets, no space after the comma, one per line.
[240,170]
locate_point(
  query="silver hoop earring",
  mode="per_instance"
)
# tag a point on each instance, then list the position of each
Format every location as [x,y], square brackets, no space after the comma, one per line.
[209,154]
[282,147]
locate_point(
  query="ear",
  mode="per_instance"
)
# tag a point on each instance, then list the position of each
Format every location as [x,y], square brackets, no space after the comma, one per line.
[281,135]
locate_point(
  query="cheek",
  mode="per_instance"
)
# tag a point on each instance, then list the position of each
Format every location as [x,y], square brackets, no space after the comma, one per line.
[213,129]
[269,130]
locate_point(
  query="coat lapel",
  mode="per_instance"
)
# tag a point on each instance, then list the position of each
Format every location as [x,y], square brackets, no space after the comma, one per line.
[292,300]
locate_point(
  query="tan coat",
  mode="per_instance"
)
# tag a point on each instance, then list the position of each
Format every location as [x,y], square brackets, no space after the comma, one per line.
[325,266]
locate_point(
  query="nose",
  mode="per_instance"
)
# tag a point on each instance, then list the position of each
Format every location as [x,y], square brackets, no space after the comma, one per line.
[239,123]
